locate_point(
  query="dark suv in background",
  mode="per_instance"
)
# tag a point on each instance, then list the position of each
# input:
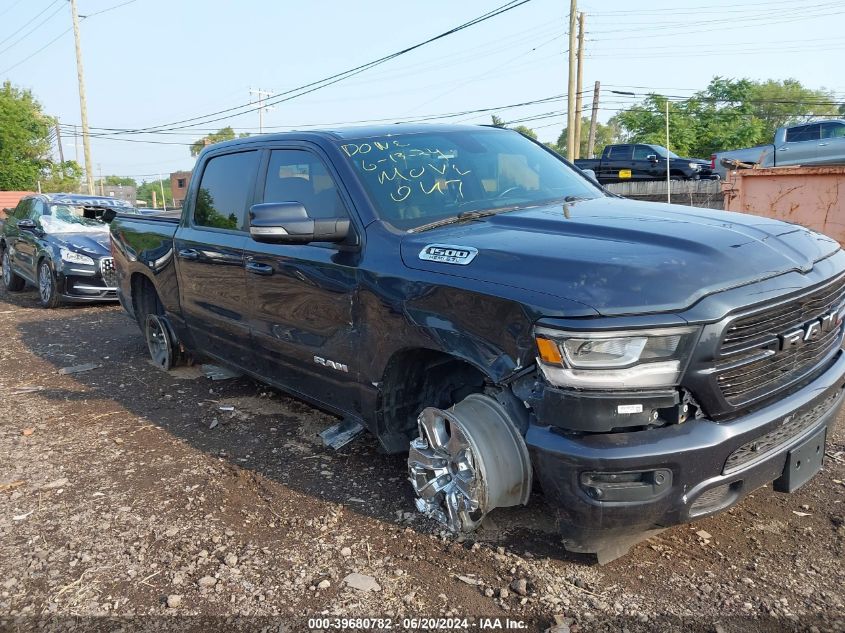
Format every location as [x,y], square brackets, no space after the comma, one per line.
[59,244]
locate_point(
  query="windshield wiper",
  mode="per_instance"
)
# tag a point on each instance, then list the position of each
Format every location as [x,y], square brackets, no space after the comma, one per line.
[464,216]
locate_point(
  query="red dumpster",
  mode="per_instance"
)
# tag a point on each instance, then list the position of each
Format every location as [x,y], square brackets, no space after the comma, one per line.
[811,196]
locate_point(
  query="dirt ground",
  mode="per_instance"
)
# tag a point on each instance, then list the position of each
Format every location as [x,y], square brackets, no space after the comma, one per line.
[127,492]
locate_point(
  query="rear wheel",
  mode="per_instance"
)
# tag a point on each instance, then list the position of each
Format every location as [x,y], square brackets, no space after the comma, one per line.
[11,281]
[164,350]
[467,461]
[47,291]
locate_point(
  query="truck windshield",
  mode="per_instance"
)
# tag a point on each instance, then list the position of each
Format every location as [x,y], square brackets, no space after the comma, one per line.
[64,218]
[416,179]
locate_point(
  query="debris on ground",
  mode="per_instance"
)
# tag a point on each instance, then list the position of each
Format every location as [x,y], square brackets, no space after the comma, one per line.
[216,372]
[78,369]
[339,435]
[361,582]
[260,519]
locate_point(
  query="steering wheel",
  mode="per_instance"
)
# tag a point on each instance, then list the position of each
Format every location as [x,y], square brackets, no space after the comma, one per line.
[510,189]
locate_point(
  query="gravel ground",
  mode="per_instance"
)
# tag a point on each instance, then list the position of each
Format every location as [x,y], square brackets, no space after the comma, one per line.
[126,491]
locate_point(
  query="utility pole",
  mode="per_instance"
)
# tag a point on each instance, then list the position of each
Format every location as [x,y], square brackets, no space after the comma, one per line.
[163,198]
[59,142]
[83,104]
[668,179]
[591,141]
[75,144]
[261,95]
[570,97]
[102,189]
[580,85]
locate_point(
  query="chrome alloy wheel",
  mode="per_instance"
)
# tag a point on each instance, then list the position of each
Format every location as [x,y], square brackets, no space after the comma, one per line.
[467,461]
[45,283]
[159,343]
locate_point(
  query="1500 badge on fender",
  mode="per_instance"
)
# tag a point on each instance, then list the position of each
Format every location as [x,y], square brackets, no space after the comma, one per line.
[446,254]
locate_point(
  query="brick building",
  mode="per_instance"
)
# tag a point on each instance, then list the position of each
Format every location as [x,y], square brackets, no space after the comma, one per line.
[179,182]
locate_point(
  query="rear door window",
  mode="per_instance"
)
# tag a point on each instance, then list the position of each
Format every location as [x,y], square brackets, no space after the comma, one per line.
[225,191]
[620,152]
[803,133]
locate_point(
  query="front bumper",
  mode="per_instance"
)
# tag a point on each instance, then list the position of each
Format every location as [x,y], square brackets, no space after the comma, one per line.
[709,465]
[83,283]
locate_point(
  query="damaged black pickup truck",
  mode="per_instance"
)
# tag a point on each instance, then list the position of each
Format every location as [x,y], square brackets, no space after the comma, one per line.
[476,302]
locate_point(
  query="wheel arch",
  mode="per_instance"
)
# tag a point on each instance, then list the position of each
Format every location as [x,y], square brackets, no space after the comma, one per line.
[416,377]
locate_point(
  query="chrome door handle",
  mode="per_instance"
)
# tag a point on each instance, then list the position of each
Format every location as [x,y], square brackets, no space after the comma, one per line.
[823,144]
[189,254]
[259,269]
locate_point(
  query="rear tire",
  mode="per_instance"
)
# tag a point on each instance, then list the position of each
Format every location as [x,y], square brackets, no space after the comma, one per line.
[163,348]
[47,290]
[12,281]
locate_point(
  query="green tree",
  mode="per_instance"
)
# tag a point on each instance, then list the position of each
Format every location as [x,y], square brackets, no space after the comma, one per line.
[63,177]
[119,181]
[606,134]
[223,134]
[728,114]
[145,192]
[526,131]
[522,129]
[24,139]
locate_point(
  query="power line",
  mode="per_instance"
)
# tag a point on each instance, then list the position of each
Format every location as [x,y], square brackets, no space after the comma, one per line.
[117,6]
[114,132]
[331,79]
[34,28]
[58,37]
[31,55]
[10,7]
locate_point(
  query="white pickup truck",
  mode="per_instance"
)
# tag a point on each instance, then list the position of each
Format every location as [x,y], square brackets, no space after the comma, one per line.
[815,143]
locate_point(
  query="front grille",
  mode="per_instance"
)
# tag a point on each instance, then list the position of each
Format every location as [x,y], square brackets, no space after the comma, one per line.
[107,270]
[743,383]
[779,319]
[771,442]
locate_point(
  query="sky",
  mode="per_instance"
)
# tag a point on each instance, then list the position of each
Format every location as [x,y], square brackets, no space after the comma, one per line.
[154,62]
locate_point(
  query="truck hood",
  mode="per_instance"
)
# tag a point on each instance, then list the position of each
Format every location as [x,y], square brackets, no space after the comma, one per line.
[621,256]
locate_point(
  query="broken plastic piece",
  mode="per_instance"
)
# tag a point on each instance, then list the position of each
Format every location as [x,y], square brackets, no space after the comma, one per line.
[339,435]
[216,372]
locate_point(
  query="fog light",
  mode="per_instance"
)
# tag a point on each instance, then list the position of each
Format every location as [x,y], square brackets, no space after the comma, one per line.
[638,485]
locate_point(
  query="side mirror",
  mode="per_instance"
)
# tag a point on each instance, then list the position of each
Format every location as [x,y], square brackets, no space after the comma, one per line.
[652,158]
[109,215]
[288,223]
[589,173]
[27,225]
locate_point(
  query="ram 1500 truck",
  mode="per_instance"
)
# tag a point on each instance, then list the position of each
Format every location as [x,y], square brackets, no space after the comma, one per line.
[630,161]
[480,305]
[815,143]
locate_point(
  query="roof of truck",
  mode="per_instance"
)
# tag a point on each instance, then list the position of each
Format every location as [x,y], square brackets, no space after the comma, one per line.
[370,131]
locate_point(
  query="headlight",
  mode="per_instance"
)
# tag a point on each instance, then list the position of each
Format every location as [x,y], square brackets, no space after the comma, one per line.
[694,166]
[614,360]
[75,258]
